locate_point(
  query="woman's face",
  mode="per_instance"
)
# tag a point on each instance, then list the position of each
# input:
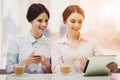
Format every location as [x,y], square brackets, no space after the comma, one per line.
[74,22]
[40,23]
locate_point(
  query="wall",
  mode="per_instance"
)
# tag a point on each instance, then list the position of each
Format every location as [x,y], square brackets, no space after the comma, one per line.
[0,31]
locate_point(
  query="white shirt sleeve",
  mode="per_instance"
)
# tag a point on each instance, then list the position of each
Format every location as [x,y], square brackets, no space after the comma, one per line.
[12,56]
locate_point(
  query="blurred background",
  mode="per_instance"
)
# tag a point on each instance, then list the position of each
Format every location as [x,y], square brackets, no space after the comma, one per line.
[101,22]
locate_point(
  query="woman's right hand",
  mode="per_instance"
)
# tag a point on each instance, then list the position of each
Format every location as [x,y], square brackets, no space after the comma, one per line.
[82,59]
[31,60]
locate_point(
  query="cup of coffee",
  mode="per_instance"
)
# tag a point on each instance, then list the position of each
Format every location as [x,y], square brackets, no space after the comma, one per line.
[19,69]
[65,68]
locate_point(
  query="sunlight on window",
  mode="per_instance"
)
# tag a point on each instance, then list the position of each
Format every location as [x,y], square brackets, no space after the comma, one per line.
[107,9]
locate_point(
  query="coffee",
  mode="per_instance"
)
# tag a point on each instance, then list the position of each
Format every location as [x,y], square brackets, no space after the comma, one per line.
[19,69]
[65,69]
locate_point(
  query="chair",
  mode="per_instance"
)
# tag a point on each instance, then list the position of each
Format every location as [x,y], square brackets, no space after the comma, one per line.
[118,71]
[2,71]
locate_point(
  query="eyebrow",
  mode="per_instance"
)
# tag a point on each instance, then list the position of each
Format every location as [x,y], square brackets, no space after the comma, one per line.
[74,19]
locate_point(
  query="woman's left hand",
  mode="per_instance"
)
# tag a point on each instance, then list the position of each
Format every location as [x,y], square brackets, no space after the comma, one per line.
[45,61]
[112,66]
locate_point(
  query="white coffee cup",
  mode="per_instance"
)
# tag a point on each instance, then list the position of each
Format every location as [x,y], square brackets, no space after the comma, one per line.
[65,68]
[19,69]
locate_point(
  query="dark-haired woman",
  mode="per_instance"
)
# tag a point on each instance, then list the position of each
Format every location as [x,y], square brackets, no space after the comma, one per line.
[22,48]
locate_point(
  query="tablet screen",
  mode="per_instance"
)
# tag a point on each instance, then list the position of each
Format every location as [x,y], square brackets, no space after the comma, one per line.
[96,65]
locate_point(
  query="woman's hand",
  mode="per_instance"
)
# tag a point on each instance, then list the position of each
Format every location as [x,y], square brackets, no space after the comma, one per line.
[46,63]
[31,60]
[112,66]
[82,59]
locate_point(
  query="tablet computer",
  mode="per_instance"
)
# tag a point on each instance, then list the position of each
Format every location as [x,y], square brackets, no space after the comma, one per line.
[96,65]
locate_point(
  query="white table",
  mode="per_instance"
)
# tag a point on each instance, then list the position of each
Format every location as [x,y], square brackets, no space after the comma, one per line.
[58,77]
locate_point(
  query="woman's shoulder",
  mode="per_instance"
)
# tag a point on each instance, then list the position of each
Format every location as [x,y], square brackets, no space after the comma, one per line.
[89,38]
[48,40]
[58,42]
[19,37]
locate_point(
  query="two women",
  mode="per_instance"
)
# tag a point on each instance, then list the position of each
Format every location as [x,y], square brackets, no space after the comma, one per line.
[73,47]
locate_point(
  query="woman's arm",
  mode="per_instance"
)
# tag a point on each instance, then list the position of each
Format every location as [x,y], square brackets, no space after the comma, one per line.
[12,56]
[56,59]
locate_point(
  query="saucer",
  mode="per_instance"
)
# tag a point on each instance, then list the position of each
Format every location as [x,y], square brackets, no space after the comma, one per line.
[25,74]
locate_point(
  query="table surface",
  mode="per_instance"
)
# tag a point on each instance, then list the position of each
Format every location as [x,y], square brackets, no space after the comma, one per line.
[115,76]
